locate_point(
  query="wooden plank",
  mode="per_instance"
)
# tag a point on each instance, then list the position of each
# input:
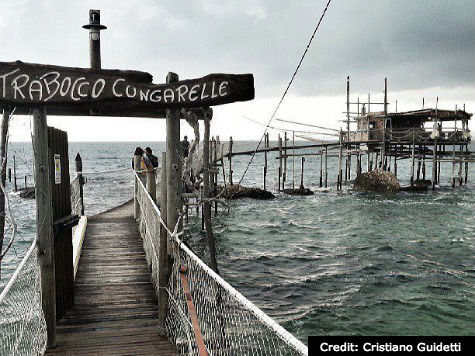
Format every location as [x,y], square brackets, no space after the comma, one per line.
[69,91]
[44,222]
[116,306]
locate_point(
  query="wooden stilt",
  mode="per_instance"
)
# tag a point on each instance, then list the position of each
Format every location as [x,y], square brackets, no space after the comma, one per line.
[44,223]
[230,157]
[434,165]
[206,196]
[284,175]
[302,173]
[163,251]
[326,167]
[321,169]
[279,139]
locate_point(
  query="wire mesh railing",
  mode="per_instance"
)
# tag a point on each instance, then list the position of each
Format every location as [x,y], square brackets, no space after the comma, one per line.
[230,323]
[22,324]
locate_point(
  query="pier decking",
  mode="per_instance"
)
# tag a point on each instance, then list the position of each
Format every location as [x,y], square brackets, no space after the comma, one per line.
[115,310]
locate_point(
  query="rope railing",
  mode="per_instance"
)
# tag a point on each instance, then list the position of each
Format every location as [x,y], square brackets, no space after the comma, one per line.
[230,324]
[22,323]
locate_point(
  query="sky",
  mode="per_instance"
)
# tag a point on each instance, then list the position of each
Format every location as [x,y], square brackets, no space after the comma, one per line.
[425,48]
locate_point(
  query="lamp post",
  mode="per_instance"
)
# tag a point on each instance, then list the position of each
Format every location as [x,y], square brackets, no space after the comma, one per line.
[94,28]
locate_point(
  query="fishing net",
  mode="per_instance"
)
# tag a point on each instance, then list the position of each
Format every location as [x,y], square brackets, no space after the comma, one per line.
[22,324]
[230,324]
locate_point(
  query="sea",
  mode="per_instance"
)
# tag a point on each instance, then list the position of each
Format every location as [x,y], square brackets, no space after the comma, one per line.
[334,263]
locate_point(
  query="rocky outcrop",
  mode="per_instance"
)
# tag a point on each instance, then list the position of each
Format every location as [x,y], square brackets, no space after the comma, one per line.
[377,181]
[301,191]
[237,191]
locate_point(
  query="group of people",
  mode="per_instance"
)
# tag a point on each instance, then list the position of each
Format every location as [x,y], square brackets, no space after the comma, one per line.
[148,160]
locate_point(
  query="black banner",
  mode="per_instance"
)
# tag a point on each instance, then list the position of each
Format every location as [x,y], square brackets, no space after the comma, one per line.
[375,345]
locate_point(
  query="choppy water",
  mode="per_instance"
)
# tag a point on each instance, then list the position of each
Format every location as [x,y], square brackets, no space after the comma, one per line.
[329,264]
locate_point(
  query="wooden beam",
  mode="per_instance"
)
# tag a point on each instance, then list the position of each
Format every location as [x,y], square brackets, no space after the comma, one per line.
[44,222]
[67,89]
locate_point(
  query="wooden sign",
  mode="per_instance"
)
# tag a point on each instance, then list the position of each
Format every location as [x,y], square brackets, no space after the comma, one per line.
[79,91]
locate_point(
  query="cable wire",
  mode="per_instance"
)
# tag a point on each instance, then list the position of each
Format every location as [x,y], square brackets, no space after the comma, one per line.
[288,87]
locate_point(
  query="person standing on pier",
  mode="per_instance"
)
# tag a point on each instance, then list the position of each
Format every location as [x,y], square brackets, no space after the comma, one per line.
[151,158]
[185,146]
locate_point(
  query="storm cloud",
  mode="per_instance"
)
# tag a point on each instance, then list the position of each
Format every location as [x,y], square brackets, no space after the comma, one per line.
[417,44]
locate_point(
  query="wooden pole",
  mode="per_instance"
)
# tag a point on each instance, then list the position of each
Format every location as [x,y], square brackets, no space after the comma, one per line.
[284,175]
[215,175]
[173,167]
[151,185]
[460,166]
[326,167]
[339,162]
[78,162]
[44,222]
[137,166]
[14,174]
[434,165]
[206,194]
[265,168]
[3,159]
[453,167]
[321,169]
[230,160]
[293,159]
[466,164]
[163,251]
[280,160]
[413,158]
[302,172]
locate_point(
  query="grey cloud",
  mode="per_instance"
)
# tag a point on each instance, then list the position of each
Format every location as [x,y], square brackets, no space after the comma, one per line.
[417,44]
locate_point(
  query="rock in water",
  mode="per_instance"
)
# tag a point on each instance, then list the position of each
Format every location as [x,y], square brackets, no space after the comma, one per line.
[238,191]
[377,181]
[301,191]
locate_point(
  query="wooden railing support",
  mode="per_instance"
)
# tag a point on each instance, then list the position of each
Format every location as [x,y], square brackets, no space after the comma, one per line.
[44,222]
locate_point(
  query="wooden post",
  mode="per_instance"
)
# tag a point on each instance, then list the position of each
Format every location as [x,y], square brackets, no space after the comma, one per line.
[265,168]
[460,166]
[151,185]
[293,159]
[3,165]
[321,169]
[413,158]
[206,196]
[164,250]
[230,160]
[9,175]
[137,164]
[78,162]
[466,164]
[302,172]
[280,160]
[453,167]
[44,222]
[326,166]
[174,179]
[284,175]
[434,165]
[340,153]
[424,164]
[3,158]
[14,174]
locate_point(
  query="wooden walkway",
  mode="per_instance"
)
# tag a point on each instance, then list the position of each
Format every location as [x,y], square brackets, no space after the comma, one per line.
[115,310]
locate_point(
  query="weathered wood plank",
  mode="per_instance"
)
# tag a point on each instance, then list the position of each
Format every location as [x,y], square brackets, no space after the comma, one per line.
[84,91]
[116,306]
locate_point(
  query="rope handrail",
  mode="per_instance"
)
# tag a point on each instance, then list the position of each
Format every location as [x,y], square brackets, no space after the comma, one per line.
[196,265]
